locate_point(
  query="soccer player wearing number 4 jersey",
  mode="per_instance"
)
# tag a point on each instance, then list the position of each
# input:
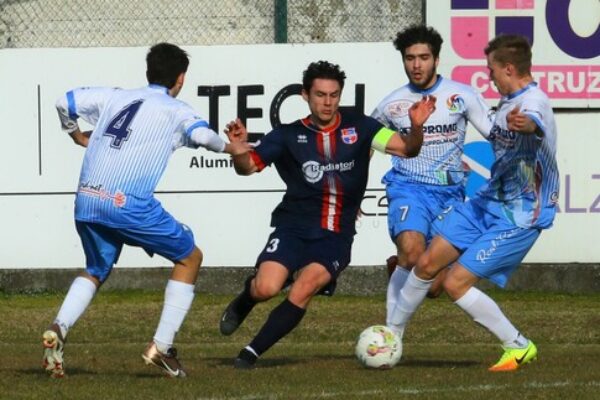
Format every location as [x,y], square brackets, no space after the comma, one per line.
[419,189]
[489,235]
[324,161]
[135,133]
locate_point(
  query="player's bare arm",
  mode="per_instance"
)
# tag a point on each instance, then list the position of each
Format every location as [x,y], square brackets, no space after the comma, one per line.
[238,135]
[519,122]
[80,138]
[410,145]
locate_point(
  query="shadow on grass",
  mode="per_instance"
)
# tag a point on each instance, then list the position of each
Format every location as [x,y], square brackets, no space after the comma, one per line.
[70,371]
[438,363]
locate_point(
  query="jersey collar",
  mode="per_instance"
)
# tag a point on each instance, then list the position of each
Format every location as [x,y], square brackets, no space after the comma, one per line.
[159,88]
[307,122]
[416,89]
[521,91]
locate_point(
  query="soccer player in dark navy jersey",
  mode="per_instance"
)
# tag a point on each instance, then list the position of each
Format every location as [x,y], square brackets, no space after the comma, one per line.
[324,161]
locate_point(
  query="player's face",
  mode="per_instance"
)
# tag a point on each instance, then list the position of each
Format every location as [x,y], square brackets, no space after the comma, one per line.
[323,101]
[499,75]
[420,65]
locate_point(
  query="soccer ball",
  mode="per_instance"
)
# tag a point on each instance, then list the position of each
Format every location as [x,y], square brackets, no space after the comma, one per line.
[378,347]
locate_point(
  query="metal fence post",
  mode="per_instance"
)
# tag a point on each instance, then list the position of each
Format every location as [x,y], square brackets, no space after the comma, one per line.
[281,20]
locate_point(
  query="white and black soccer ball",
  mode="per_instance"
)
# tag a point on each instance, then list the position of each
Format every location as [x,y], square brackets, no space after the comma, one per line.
[378,347]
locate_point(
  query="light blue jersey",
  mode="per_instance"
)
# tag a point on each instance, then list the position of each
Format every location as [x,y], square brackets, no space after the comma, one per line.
[524,181]
[135,133]
[439,162]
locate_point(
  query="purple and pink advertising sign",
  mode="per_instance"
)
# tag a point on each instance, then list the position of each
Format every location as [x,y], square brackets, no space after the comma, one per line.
[565,35]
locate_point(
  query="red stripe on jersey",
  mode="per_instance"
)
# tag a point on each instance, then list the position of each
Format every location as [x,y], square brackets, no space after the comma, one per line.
[260,164]
[338,205]
[325,198]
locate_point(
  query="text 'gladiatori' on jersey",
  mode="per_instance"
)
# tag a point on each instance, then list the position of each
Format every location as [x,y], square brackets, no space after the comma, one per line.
[313,171]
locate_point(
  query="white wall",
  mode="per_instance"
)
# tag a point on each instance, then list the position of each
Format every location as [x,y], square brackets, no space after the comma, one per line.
[229,214]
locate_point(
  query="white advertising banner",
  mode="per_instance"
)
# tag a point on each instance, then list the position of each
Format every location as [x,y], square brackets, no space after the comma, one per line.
[230,214]
[565,36]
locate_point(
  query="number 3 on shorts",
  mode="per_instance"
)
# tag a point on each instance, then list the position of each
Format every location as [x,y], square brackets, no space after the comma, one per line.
[272,246]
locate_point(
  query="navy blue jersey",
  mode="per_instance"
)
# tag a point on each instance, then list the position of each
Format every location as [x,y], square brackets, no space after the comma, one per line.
[325,172]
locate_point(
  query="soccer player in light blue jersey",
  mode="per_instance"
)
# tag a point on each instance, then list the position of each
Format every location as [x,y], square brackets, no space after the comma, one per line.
[488,236]
[135,132]
[420,188]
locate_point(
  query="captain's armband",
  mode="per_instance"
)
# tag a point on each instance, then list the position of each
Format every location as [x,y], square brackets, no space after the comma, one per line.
[381,139]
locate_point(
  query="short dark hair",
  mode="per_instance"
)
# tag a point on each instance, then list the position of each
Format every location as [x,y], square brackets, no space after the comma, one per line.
[419,34]
[164,63]
[322,70]
[513,49]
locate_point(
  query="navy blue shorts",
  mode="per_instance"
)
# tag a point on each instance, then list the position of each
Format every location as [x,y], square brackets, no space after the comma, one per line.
[295,248]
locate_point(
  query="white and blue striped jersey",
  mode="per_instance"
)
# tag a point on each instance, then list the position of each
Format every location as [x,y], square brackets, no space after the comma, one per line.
[440,159]
[135,133]
[524,181]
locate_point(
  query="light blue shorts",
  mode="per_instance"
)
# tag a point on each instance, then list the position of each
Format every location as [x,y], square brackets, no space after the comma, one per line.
[492,247]
[412,207]
[102,244]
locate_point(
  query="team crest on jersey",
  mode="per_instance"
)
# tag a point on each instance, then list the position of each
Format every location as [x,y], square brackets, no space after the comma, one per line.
[455,103]
[399,109]
[349,135]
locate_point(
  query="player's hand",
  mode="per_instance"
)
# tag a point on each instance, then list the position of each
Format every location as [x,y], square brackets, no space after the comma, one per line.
[236,131]
[237,148]
[516,121]
[81,138]
[422,110]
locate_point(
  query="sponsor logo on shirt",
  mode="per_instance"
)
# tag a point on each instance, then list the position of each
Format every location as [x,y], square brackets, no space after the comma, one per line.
[399,109]
[349,135]
[501,135]
[313,170]
[302,138]
[95,190]
[455,103]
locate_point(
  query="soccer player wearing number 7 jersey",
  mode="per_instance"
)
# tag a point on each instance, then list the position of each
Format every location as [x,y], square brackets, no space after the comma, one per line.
[135,132]
[488,236]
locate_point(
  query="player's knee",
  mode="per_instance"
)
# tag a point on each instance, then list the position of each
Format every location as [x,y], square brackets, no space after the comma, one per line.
[409,255]
[412,258]
[194,260]
[425,269]
[302,291]
[264,289]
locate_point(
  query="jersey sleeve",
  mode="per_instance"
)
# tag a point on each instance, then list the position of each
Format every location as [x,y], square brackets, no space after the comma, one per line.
[269,149]
[478,113]
[534,109]
[196,132]
[86,103]
[380,115]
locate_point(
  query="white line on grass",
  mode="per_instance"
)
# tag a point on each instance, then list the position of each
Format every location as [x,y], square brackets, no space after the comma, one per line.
[411,391]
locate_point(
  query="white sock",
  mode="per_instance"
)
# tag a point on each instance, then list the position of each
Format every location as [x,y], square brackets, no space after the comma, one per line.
[178,300]
[409,299]
[78,299]
[397,280]
[486,312]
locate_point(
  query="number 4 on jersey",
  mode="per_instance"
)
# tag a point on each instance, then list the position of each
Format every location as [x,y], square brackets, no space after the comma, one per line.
[118,127]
